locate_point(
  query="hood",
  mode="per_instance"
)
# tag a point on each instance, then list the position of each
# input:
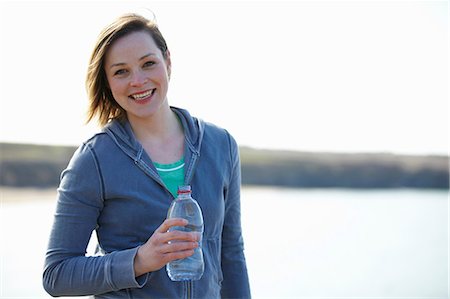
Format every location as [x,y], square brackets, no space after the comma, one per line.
[123,136]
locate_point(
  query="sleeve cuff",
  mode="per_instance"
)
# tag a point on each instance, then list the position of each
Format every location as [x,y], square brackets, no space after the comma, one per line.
[122,270]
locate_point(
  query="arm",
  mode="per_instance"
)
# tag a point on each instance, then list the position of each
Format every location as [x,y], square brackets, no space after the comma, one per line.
[235,278]
[67,270]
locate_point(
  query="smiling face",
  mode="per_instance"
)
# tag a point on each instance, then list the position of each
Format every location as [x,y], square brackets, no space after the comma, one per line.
[138,75]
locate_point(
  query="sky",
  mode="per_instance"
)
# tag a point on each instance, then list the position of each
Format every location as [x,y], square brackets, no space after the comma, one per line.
[329,76]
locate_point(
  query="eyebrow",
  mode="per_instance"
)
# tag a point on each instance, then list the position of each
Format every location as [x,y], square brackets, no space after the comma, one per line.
[123,63]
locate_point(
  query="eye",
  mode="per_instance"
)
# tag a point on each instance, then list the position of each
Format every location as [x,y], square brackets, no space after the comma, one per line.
[149,63]
[120,72]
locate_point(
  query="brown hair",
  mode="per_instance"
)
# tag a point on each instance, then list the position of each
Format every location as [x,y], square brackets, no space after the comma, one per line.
[101,101]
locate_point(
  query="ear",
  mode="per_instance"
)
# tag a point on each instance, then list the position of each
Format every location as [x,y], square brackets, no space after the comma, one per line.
[168,63]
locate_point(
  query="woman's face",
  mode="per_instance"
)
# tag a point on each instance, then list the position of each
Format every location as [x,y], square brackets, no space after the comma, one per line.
[138,74]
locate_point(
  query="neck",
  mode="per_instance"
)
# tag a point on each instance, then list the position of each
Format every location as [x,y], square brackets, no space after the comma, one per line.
[158,127]
[161,136]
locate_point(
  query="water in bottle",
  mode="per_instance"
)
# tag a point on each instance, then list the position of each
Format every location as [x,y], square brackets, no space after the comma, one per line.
[184,206]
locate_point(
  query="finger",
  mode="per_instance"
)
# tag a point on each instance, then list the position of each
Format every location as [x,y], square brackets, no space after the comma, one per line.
[178,255]
[177,235]
[178,246]
[168,223]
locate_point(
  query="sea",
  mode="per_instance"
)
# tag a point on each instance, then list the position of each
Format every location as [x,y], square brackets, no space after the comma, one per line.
[299,243]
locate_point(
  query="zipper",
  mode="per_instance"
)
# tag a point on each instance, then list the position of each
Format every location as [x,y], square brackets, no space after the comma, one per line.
[149,171]
[189,289]
[188,177]
[191,168]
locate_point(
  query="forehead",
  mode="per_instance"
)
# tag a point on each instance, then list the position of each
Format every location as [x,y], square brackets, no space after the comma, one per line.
[132,46]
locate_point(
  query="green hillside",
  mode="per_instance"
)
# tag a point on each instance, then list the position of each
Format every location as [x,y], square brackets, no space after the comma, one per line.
[26,165]
[307,169]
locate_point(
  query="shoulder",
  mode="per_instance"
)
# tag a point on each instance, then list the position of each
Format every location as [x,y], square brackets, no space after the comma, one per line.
[215,133]
[214,129]
[98,141]
[107,140]
[220,142]
[89,151]
[86,150]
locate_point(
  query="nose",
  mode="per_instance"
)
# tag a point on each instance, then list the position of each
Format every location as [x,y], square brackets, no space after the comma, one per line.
[138,79]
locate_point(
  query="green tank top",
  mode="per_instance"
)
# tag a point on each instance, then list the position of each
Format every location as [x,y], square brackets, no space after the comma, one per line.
[172,175]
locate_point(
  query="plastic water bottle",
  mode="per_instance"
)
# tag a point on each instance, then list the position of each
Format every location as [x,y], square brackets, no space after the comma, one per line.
[184,206]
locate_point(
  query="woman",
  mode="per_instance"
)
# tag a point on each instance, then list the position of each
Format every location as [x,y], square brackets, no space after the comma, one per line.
[121,183]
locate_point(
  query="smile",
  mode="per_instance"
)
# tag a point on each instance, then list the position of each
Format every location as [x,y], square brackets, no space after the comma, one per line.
[143,95]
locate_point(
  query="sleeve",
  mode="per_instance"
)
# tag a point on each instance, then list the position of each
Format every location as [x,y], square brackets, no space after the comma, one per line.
[67,271]
[235,278]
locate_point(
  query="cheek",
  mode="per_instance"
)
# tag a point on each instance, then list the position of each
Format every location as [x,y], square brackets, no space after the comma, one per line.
[117,88]
[162,73]
[164,78]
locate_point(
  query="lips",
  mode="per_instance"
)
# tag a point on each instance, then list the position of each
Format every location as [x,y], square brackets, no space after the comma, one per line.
[142,95]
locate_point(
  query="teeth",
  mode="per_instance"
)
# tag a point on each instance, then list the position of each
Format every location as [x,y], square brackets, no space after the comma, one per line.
[142,95]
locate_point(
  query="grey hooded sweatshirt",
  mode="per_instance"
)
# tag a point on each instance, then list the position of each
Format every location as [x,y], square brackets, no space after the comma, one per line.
[111,186]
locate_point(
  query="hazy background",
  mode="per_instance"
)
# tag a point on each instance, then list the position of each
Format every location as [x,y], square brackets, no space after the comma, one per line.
[328,76]
[347,76]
